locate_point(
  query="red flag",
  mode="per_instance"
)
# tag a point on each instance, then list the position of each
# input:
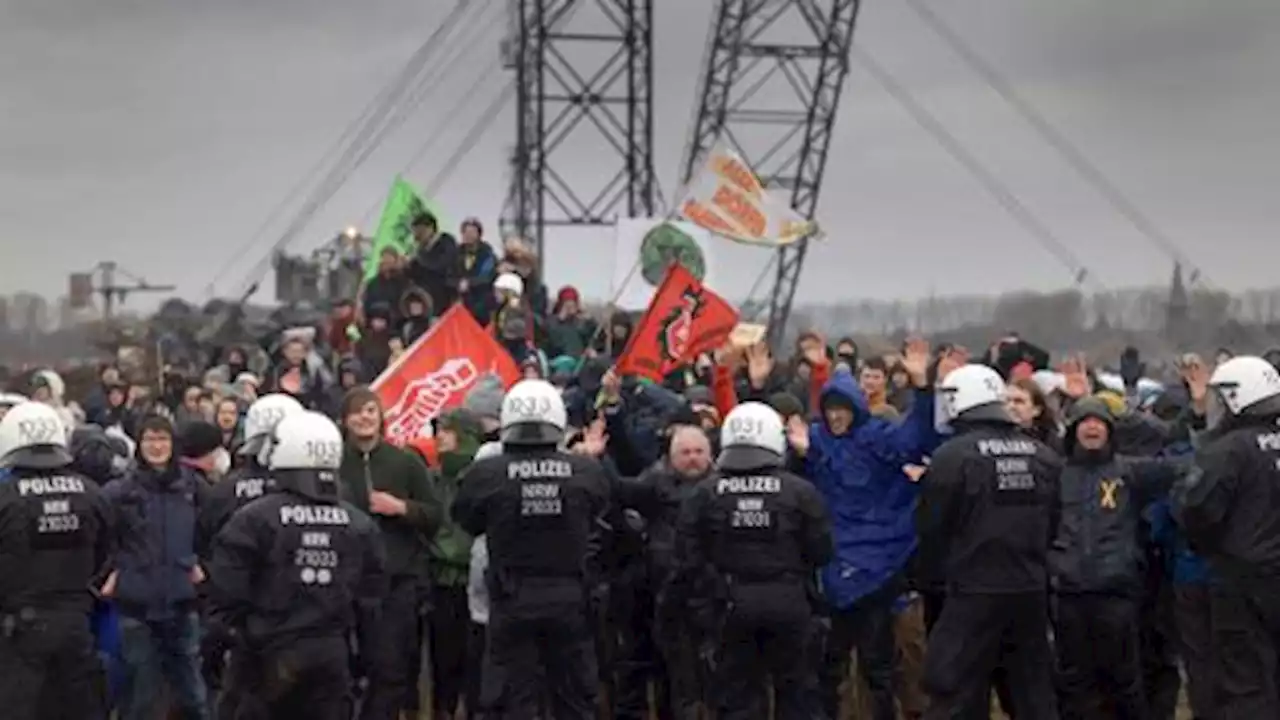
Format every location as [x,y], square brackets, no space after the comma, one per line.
[436,372]
[684,320]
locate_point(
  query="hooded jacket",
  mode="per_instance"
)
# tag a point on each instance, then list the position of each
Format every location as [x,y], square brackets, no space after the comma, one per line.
[871,501]
[1098,545]
[451,547]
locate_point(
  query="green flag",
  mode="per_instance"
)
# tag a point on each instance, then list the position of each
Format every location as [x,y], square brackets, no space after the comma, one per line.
[404,203]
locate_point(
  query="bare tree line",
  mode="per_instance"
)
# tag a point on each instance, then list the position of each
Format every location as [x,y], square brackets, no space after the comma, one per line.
[34,329]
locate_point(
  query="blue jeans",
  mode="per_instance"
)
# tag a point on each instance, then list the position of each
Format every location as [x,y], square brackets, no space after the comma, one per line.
[162,652]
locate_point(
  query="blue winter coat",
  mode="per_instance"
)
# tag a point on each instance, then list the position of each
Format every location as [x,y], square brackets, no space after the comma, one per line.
[870,500]
[156,533]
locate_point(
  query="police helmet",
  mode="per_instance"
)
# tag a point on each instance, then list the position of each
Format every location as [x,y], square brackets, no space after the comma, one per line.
[32,436]
[972,392]
[1243,385]
[306,441]
[260,422]
[532,414]
[752,437]
[488,450]
[8,400]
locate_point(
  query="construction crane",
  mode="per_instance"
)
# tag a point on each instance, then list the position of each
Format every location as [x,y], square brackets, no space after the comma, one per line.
[807,44]
[559,95]
[82,287]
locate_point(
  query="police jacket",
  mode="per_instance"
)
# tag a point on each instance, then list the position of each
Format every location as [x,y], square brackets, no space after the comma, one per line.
[237,489]
[1228,505]
[754,526]
[401,473]
[987,511]
[541,510]
[296,563]
[56,540]
[157,542]
[1099,545]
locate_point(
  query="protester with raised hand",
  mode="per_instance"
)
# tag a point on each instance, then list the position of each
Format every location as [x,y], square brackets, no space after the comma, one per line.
[855,459]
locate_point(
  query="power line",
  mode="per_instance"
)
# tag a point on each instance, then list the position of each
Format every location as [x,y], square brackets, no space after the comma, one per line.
[372,135]
[985,177]
[344,139]
[489,114]
[1068,150]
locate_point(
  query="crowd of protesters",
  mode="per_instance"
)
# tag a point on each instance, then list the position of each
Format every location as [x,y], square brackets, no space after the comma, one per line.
[1131,602]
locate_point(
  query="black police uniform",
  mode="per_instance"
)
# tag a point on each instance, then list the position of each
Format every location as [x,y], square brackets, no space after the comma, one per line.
[1230,510]
[294,573]
[765,533]
[540,510]
[987,502]
[238,488]
[56,537]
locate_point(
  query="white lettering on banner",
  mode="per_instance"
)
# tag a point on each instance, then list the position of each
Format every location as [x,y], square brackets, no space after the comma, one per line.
[314,515]
[540,499]
[251,488]
[51,486]
[539,469]
[1006,447]
[755,484]
[424,399]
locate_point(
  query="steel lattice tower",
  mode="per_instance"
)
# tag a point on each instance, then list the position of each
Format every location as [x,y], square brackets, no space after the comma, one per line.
[753,42]
[557,92]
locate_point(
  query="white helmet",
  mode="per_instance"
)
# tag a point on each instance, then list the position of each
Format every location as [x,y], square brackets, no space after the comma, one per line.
[488,450]
[306,441]
[33,436]
[261,420]
[752,437]
[1240,384]
[974,391]
[8,400]
[510,282]
[532,414]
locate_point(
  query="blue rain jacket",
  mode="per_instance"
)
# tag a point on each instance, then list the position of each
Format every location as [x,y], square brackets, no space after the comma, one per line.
[870,499]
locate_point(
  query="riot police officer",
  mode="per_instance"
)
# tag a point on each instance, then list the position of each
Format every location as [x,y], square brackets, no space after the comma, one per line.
[765,533]
[55,541]
[987,505]
[250,479]
[1230,510]
[294,573]
[539,508]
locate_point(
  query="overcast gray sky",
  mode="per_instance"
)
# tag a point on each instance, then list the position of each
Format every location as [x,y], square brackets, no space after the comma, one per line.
[160,133]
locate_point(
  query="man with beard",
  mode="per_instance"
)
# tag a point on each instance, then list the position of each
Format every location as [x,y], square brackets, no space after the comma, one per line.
[672,664]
